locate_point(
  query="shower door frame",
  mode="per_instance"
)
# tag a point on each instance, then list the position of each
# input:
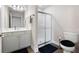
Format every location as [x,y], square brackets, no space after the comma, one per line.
[45,26]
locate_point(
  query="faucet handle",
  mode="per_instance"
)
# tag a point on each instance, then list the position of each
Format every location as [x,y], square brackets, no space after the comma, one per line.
[2,35]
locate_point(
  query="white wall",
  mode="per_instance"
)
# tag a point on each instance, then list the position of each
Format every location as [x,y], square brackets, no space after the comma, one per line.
[66,19]
[34,44]
[4,17]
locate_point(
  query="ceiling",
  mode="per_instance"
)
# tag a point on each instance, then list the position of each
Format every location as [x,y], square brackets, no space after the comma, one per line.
[43,6]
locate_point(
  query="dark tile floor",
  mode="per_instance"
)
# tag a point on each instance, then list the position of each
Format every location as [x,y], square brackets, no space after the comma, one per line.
[24,50]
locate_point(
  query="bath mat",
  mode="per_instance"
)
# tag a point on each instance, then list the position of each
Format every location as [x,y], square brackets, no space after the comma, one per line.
[48,49]
[24,50]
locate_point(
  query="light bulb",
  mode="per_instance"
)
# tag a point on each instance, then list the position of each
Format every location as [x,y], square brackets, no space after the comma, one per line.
[18,7]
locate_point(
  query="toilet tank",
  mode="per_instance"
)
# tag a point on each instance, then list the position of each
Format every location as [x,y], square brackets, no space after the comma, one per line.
[71,36]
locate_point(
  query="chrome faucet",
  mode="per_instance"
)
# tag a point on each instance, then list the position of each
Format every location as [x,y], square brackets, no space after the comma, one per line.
[15,27]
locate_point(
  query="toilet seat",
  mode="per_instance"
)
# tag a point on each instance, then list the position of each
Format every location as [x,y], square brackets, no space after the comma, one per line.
[67,46]
[67,43]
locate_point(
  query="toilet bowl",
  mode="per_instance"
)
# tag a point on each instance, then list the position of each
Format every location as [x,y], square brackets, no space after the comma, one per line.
[68,44]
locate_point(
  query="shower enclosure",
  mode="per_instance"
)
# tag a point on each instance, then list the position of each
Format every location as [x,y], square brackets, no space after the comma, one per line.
[44,28]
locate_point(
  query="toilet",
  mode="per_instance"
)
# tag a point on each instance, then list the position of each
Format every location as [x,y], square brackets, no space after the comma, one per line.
[69,41]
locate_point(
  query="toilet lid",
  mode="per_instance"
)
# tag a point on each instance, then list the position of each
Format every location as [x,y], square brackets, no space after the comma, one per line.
[67,43]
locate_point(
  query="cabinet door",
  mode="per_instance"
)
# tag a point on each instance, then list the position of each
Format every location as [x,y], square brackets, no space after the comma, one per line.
[25,39]
[0,44]
[10,43]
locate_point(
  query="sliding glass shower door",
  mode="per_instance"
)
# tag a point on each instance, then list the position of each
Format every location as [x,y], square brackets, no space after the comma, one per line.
[48,28]
[44,28]
[41,28]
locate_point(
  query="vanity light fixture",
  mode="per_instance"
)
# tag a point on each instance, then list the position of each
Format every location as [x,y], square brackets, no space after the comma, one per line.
[18,7]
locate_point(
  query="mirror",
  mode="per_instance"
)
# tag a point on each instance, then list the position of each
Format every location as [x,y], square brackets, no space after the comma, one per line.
[16,19]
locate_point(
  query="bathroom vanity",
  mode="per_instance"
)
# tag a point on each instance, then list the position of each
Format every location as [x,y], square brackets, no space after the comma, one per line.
[0,44]
[13,41]
[16,27]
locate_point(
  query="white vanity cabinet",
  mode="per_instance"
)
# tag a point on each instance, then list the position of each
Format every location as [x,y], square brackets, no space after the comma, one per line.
[10,42]
[0,44]
[16,40]
[25,39]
